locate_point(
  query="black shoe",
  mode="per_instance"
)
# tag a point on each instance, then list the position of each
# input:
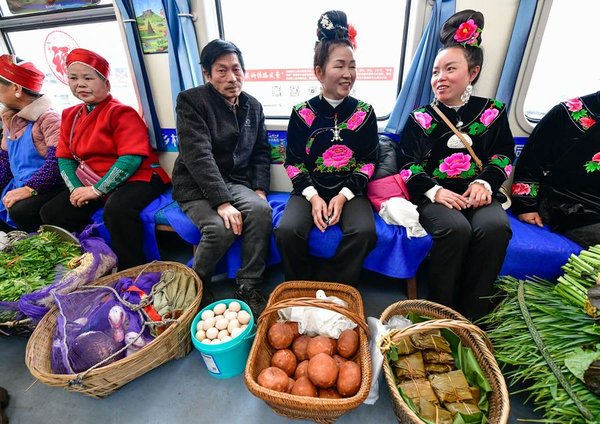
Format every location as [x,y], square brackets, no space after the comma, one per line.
[253,297]
[3,404]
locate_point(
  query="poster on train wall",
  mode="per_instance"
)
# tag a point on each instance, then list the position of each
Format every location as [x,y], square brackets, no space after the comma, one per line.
[152,26]
[18,7]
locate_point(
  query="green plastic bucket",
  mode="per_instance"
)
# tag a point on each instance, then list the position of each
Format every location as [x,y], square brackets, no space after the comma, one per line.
[225,360]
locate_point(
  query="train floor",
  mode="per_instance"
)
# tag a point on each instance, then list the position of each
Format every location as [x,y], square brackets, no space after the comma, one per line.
[182,391]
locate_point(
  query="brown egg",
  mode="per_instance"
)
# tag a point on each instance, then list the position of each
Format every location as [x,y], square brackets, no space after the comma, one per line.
[349,379]
[280,335]
[304,387]
[347,344]
[285,360]
[322,370]
[273,378]
[300,346]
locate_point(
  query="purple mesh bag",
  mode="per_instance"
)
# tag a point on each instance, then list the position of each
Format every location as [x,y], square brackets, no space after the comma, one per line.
[97,260]
[94,326]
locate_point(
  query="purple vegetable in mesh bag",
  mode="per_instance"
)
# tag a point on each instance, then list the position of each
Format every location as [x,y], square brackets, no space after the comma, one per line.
[92,347]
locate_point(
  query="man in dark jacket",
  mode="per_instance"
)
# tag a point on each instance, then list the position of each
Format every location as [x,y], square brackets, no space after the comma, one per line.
[222,173]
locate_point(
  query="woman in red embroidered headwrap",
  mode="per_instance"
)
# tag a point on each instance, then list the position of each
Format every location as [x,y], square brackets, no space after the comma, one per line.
[29,175]
[106,161]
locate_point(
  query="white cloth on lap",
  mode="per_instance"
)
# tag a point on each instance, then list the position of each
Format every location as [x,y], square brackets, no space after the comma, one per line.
[399,211]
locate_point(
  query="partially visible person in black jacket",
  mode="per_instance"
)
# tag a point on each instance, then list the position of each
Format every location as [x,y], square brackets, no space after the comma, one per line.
[222,173]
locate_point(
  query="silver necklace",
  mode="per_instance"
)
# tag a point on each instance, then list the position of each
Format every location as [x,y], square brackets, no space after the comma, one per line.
[336,130]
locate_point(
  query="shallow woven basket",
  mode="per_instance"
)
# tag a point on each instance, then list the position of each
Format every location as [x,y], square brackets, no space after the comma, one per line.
[471,336]
[301,293]
[173,343]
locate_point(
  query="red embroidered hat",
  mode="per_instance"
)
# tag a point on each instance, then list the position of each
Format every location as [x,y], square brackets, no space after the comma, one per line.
[24,74]
[89,58]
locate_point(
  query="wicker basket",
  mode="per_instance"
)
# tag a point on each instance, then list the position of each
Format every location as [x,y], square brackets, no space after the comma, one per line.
[301,293]
[471,336]
[173,343]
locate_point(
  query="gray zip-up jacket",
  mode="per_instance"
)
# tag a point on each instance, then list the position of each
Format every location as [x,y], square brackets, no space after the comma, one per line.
[216,146]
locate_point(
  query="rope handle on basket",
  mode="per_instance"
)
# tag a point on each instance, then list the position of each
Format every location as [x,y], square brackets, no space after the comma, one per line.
[318,303]
[480,337]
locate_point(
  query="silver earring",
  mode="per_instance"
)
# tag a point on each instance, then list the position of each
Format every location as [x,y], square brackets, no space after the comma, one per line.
[435,101]
[466,95]
[17,94]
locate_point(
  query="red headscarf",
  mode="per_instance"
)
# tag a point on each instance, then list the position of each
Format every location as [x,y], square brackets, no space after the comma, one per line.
[89,58]
[23,73]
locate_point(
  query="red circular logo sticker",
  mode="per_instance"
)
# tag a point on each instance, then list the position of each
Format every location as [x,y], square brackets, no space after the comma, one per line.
[56,47]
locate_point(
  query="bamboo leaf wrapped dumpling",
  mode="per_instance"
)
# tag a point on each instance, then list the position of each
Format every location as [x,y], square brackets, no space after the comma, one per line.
[419,389]
[437,357]
[432,340]
[465,408]
[434,413]
[438,368]
[451,387]
[410,366]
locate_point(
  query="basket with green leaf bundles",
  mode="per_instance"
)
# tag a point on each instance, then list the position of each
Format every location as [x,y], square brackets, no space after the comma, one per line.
[440,369]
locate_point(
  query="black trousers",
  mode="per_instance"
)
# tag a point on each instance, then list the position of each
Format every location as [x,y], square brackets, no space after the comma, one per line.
[358,226]
[468,250]
[26,213]
[122,209]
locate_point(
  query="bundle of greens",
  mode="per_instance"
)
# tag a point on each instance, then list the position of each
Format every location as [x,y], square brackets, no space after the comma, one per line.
[579,284]
[30,264]
[534,333]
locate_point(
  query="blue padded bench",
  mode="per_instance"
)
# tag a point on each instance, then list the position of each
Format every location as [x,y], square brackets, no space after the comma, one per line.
[536,251]
[532,251]
[395,255]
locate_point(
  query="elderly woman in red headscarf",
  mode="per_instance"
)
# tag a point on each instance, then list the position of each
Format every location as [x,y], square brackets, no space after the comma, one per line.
[29,175]
[106,160]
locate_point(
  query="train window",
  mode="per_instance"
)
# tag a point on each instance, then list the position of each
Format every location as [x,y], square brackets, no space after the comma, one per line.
[278,42]
[44,39]
[566,65]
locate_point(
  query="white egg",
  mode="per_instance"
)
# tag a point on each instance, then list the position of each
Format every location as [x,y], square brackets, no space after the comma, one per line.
[235,306]
[243,317]
[201,335]
[206,341]
[208,323]
[215,341]
[219,308]
[212,333]
[236,332]
[200,325]
[207,314]
[243,327]
[234,323]
[222,334]
[218,317]
[230,315]
[226,339]
[221,324]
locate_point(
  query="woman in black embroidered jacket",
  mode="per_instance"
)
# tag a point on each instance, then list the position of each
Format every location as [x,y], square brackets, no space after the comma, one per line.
[455,197]
[557,179]
[331,154]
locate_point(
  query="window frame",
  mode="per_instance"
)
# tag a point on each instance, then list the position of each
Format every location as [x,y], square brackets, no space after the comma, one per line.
[527,67]
[278,121]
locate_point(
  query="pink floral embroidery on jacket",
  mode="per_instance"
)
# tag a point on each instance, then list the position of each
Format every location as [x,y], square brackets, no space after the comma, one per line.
[356,119]
[424,119]
[405,174]
[337,156]
[455,164]
[488,116]
[292,171]
[586,122]
[308,115]
[596,158]
[508,170]
[574,105]
[367,169]
[520,189]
